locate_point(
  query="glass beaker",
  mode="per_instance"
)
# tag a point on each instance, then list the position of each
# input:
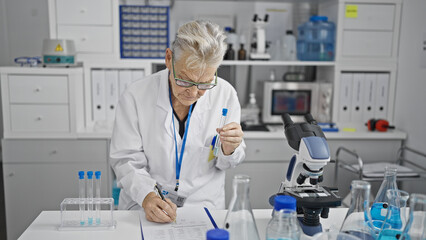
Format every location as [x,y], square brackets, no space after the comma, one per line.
[416,225]
[239,220]
[396,216]
[379,207]
[358,219]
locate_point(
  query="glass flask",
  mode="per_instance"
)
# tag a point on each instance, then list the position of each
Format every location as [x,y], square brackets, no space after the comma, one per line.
[379,207]
[239,220]
[396,216]
[284,223]
[358,219]
[416,225]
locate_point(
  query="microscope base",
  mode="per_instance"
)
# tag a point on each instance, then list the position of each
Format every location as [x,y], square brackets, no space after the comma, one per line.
[309,230]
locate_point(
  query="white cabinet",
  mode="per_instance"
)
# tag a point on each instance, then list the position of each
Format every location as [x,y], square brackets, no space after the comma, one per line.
[88,23]
[39,174]
[42,102]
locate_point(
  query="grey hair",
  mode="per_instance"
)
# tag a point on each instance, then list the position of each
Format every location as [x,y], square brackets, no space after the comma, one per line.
[203,43]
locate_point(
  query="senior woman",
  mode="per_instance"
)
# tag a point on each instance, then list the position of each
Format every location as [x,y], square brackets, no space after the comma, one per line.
[165,125]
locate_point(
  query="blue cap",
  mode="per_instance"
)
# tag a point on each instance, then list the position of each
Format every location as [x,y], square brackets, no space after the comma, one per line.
[318,18]
[217,234]
[284,202]
[98,174]
[89,174]
[224,111]
[81,175]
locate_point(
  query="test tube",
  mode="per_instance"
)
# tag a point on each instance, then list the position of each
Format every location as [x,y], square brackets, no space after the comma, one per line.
[81,192]
[98,196]
[90,197]
[221,124]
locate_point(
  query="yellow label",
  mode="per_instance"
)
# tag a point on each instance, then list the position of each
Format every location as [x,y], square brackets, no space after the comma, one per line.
[351,11]
[59,48]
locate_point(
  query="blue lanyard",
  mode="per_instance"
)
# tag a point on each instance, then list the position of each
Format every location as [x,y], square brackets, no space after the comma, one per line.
[179,159]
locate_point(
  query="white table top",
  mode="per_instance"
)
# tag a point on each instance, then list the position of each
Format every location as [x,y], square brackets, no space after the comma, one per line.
[45,226]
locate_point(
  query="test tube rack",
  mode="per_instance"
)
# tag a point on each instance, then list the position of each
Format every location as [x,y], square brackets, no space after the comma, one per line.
[70,215]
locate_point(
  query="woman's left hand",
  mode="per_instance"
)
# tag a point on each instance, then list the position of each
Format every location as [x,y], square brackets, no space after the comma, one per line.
[231,136]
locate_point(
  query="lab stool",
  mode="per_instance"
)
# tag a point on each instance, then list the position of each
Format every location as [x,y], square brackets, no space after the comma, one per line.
[374,172]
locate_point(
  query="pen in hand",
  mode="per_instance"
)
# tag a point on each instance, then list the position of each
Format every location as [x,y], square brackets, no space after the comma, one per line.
[162,198]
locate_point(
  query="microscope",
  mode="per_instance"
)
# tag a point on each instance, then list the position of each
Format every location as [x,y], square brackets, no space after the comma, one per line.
[305,171]
[260,39]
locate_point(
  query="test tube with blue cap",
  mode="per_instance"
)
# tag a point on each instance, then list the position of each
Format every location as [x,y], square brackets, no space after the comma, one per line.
[221,124]
[98,196]
[81,193]
[90,197]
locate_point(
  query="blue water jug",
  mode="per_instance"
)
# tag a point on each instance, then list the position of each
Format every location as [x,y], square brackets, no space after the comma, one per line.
[316,40]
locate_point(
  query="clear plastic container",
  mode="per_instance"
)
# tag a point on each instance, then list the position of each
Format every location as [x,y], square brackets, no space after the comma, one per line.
[239,220]
[380,204]
[284,223]
[316,40]
[289,46]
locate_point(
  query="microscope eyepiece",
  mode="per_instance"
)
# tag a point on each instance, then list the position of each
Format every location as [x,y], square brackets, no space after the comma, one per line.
[287,120]
[310,119]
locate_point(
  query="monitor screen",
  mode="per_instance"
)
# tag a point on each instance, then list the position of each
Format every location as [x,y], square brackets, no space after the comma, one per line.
[294,102]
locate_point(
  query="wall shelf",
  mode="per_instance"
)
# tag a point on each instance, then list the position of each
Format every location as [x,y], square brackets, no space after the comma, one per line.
[277,63]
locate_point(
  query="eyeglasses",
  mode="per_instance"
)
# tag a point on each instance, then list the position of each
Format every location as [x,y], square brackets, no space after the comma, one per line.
[188,84]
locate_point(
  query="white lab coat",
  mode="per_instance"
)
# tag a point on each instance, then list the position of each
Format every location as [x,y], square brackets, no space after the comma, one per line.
[143,149]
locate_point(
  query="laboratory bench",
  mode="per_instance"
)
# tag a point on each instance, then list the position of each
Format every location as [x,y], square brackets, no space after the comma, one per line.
[45,226]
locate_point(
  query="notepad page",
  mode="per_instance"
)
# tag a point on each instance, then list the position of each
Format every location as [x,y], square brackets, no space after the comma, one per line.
[191,223]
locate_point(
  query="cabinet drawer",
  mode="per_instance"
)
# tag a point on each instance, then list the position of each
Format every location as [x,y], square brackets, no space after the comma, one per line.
[39,118]
[38,89]
[93,12]
[367,44]
[372,17]
[54,151]
[88,38]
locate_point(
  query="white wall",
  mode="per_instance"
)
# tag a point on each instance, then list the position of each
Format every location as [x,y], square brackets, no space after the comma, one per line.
[410,106]
[4,53]
[23,26]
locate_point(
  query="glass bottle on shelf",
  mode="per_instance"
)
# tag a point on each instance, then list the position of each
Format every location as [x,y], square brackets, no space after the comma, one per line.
[284,223]
[239,220]
[358,219]
[380,204]
[242,54]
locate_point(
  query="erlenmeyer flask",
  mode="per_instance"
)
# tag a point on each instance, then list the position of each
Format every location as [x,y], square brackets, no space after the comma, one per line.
[378,209]
[239,220]
[416,225]
[358,219]
[396,216]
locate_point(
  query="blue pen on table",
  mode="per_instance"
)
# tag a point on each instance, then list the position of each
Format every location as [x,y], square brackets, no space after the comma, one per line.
[221,124]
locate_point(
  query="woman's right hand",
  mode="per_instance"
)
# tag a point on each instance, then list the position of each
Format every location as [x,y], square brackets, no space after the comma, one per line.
[157,210]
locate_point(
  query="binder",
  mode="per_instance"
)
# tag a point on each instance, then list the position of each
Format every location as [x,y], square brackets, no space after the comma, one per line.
[124,79]
[111,86]
[98,95]
[357,97]
[137,74]
[345,97]
[369,97]
[382,93]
